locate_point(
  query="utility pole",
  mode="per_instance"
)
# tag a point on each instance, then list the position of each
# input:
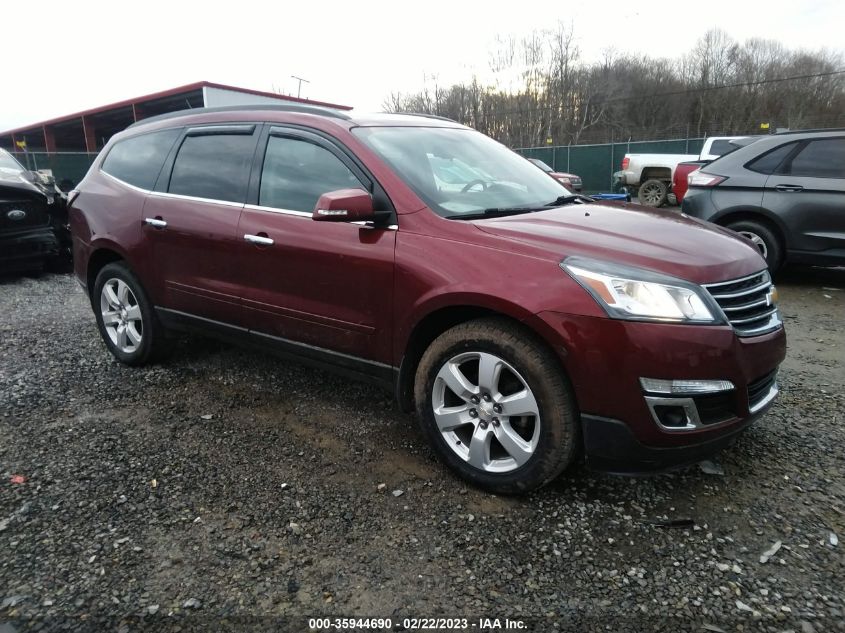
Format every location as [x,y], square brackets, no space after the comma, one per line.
[299,87]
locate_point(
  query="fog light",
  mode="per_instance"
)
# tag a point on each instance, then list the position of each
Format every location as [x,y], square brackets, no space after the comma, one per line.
[672,387]
[673,417]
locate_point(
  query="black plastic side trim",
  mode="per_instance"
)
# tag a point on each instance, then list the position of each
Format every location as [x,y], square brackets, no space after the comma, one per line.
[360,369]
[610,446]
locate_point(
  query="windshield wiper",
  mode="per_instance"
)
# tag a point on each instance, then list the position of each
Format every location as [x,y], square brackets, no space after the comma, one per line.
[569,199]
[495,212]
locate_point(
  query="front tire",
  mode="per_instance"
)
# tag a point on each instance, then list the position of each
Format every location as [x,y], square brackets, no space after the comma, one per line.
[125,316]
[496,406]
[763,239]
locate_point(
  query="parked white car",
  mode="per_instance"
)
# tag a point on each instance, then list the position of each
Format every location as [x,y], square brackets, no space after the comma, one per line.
[649,176]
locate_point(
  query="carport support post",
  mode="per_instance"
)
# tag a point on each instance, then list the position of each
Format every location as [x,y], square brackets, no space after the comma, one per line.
[90,137]
[49,139]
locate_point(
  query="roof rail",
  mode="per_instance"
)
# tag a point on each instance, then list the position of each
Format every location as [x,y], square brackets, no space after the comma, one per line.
[304,109]
[818,129]
[427,116]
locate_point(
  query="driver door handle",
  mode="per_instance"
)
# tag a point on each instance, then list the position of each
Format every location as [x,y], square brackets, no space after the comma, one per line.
[789,188]
[263,240]
[156,222]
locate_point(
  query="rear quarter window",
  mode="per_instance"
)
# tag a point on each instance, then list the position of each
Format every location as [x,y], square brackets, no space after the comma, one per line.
[138,160]
[769,162]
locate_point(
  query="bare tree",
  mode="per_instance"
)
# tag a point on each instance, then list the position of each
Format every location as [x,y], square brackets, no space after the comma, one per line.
[543,89]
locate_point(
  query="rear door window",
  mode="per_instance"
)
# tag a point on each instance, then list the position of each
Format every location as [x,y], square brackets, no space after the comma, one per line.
[822,158]
[214,166]
[138,160]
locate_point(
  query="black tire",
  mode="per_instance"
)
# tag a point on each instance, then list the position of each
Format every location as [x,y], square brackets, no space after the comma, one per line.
[764,239]
[558,420]
[653,193]
[152,333]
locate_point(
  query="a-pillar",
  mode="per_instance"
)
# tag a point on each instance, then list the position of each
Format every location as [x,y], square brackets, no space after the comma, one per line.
[90,136]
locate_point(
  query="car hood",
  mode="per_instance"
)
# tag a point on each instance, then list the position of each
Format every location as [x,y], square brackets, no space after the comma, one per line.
[563,174]
[664,241]
[11,182]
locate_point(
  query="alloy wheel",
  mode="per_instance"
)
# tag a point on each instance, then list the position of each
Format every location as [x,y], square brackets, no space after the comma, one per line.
[486,412]
[652,194]
[121,314]
[758,241]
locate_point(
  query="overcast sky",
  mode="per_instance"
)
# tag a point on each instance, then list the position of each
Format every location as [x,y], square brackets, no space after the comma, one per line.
[62,57]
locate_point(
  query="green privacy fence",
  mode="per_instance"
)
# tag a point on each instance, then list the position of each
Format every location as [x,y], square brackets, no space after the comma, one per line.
[67,167]
[597,163]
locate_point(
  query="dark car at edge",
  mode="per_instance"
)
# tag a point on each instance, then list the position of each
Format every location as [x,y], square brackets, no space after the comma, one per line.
[527,327]
[33,218]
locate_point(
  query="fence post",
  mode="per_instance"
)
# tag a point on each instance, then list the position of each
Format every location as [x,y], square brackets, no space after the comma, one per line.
[568,169]
[554,157]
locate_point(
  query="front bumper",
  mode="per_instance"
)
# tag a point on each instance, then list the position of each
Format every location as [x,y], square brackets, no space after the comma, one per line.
[605,359]
[610,446]
[22,250]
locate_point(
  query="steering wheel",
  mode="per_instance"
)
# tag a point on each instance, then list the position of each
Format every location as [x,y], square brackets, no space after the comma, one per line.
[472,184]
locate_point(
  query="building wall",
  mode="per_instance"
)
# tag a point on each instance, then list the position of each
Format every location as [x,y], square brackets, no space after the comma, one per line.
[220,97]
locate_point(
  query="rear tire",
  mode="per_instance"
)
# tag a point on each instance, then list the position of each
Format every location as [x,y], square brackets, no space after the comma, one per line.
[530,408]
[125,316]
[764,240]
[653,193]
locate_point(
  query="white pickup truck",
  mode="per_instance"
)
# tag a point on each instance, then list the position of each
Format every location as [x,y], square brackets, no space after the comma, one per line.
[649,176]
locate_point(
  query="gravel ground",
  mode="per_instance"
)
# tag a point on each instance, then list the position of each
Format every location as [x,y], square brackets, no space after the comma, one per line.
[225,488]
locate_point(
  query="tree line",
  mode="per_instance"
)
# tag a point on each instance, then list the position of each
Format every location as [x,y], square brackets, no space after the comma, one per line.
[543,89]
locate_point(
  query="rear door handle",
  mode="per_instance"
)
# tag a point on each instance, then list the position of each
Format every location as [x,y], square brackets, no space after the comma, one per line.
[263,240]
[156,222]
[789,188]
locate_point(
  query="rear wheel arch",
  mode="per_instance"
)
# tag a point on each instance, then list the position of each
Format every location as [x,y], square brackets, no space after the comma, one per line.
[764,229]
[97,261]
[656,173]
[754,216]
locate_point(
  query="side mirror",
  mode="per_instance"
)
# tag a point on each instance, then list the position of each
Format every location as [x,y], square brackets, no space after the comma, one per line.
[344,205]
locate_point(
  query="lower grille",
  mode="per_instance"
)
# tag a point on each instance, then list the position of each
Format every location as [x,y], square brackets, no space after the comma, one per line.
[716,407]
[748,303]
[759,389]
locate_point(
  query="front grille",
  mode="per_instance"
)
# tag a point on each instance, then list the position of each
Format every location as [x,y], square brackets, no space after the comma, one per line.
[34,214]
[759,389]
[747,303]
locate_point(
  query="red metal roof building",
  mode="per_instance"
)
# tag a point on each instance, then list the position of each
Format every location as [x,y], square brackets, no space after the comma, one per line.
[90,130]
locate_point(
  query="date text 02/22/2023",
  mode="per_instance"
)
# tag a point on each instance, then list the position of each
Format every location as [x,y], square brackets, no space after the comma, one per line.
[415,624]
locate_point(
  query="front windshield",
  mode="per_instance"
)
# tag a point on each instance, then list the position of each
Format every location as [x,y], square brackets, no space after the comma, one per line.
[8,163]
[459,171]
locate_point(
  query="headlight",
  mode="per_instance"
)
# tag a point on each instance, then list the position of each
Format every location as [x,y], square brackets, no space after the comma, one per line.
[626,292]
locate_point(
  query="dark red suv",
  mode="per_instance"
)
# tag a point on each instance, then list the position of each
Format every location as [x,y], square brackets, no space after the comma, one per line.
[526,325]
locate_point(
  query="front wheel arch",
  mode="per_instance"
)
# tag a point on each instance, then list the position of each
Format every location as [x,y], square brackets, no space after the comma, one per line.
[432,325]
